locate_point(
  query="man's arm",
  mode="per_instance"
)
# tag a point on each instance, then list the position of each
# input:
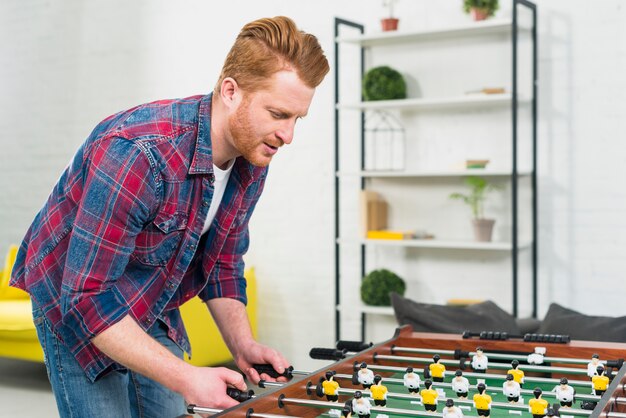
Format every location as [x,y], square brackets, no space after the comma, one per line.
[232,320]
[126,343]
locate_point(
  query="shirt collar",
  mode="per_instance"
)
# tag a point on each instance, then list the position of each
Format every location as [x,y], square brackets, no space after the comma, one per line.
[202,162]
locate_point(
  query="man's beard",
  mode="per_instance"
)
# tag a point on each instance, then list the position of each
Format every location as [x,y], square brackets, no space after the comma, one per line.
[243,136]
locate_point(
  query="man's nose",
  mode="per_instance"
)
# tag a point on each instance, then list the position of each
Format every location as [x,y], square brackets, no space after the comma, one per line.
[285,132]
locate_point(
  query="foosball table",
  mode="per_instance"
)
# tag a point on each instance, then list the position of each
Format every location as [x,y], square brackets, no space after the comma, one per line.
[546,361]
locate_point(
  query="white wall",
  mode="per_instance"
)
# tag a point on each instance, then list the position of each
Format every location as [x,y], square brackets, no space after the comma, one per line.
[66,65]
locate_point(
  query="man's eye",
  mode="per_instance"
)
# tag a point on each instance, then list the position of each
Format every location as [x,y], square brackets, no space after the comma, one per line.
[276,115]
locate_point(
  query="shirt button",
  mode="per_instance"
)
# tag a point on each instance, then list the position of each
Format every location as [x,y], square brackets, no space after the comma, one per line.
[148,321]
[170,285]
[205,203]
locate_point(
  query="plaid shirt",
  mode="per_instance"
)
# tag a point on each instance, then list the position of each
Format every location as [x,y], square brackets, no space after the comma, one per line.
[119,232]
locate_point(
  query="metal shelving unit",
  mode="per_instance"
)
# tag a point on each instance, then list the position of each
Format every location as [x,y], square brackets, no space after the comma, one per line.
[514,100]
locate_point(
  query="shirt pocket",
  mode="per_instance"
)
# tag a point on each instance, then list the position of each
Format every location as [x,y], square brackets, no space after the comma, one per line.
[156,244]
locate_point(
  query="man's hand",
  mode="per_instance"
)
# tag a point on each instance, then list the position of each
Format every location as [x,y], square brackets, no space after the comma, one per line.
[126,343]
[256,353]
[232,320]
[206,386]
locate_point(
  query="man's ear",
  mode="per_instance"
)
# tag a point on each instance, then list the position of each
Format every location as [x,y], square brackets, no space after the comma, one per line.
[230,92]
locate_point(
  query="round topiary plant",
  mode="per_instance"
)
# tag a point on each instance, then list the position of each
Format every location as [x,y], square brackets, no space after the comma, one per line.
[383,83]
[377,285]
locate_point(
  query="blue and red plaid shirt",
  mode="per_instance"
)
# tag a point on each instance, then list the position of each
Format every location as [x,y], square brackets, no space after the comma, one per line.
[121,233]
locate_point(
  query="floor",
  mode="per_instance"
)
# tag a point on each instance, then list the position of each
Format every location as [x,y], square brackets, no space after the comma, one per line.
[25,390]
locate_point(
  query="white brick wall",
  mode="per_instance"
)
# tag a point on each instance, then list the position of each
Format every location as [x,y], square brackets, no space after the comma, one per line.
[66,65]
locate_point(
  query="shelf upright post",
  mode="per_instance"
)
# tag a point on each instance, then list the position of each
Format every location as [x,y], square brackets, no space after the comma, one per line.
[514,174]
[514,109]
[338,23]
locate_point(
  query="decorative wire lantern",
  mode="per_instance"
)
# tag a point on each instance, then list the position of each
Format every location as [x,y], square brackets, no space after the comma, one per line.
[384,141]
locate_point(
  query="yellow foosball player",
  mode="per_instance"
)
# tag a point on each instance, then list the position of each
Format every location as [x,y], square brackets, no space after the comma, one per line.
[600,381]
[538,406]
[436,369]
[379,391]
[330,387]
[429,396]
[518,375]
[482,401]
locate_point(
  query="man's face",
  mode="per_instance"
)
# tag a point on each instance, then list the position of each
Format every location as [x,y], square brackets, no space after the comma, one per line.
[265,120]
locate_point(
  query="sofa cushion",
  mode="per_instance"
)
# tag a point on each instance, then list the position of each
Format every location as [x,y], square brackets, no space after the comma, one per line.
[425,317]
[16,320]
[564,321]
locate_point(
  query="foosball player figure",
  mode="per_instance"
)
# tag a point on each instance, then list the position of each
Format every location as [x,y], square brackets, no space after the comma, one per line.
[538,406]
[592,366]
[460,384]
[436,369]
[364,376]
[429,396]
[451,411]
[517,373]
[564,393]
[330,387]
[411,381]
[346,412]
[537,356]
[551,413]
[511,389]
[379,392]
[480,361]
[482,401]
[360,405]
[600,381]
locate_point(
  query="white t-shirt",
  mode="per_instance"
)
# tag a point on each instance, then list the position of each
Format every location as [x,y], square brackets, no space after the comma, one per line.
[221,179]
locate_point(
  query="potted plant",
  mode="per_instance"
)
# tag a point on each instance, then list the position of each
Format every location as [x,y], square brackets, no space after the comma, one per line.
[480,9]
[383,83]
[479,188]
[378,284]
[389,23]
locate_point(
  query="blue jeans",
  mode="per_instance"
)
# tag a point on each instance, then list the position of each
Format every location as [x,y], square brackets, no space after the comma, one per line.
[119,394]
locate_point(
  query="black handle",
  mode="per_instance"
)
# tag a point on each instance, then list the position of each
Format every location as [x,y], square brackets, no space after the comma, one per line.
[326,354]
[353,346]
[269,370]
[239,395]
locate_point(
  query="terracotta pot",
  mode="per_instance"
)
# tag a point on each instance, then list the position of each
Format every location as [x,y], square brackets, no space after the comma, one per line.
[479,14]
[390,23]
[483,229]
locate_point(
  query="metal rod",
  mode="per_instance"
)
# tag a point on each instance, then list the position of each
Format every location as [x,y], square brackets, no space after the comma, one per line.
[502,366]
[204,410]
[492,355]
[483,375]
[620,400]
[392,380]
[615,415]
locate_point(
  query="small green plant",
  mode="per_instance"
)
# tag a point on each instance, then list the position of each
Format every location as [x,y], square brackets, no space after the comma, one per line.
[389,4]
[383,83]
[377,285]
[488,6]
[479,188]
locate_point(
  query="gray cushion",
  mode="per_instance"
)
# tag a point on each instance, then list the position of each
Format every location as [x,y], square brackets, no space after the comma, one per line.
[425,317]
[561,320]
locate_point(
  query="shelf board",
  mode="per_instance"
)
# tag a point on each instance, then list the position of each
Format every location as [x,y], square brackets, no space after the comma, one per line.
[434,173]
[468,100]
[439,244]
[488,27]
[376,310]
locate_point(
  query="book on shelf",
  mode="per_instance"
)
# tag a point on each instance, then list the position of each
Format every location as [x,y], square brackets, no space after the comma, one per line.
[373,211]
[393,235]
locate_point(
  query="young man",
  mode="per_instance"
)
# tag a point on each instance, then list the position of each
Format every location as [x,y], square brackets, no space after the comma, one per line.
[152,211]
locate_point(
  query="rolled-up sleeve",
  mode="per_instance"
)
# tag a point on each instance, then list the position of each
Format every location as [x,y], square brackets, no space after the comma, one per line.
[118,197]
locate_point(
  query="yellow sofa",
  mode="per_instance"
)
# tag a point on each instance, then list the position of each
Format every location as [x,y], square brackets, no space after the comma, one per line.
[18,337]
